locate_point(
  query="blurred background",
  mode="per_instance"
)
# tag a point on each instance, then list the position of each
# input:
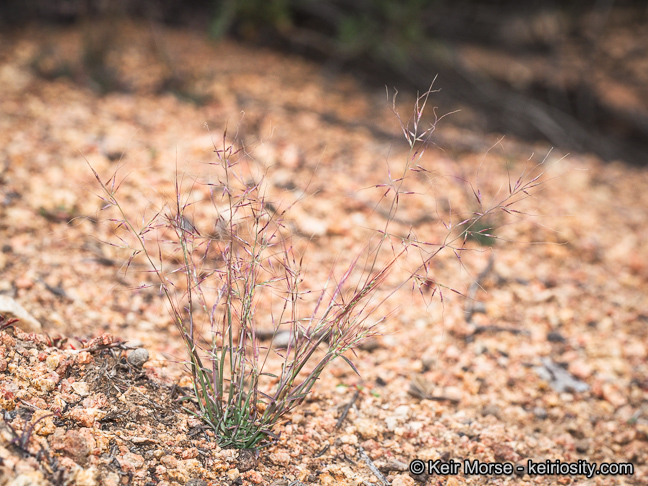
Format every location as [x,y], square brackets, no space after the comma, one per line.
[572,73]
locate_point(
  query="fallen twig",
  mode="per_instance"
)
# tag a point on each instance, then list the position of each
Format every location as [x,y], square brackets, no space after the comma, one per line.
[512,330]
[58,291]
[323,451]
[393,465]
[372,467]
[346,409]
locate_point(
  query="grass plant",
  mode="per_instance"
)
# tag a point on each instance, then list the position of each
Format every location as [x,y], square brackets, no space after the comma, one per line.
[217,276]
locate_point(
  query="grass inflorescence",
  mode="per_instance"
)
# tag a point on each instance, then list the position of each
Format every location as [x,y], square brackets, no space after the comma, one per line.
[217,276]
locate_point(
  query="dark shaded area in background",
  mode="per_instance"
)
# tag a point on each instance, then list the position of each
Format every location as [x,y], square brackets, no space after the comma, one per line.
[406,42]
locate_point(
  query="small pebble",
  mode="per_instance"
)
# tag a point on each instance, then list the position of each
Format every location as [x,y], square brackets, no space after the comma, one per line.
[582,445]
[540,413]
[493,410]
[521,467]
[81,388]
[555,337]
[196,482]
[138,357]
[369,345]
[247,460]
[281,340]
[479,308]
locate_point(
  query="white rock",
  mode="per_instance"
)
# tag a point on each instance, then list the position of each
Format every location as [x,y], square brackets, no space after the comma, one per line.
[9,308]
[349,439]
[81,388]
[281,340]
[137,357]
[402,411]
[29,479]
[312,226]
[366,428]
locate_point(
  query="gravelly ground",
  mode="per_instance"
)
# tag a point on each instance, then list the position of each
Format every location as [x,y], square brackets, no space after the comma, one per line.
[87,416]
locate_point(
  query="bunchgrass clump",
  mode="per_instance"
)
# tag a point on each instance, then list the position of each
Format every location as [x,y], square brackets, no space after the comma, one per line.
[214,278]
